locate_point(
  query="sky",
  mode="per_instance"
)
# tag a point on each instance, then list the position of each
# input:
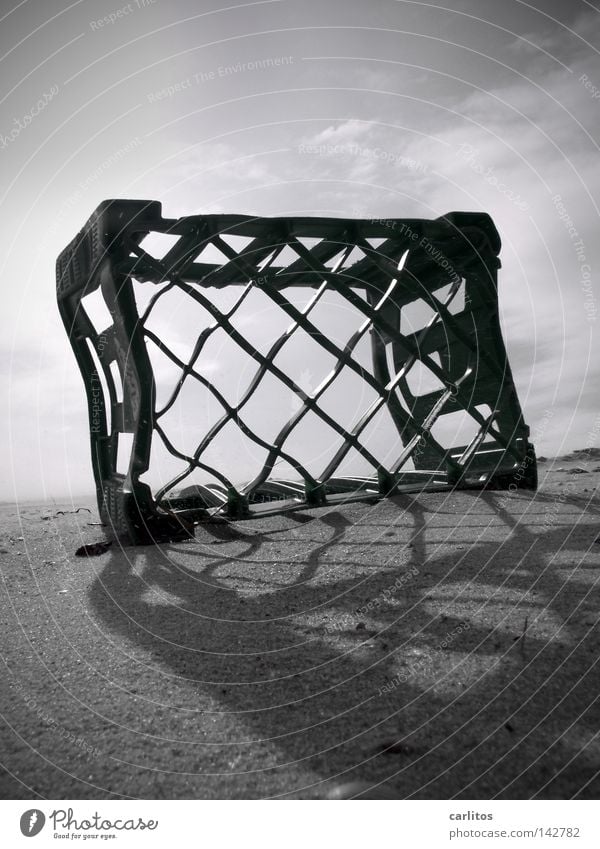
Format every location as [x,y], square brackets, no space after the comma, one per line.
[385,108]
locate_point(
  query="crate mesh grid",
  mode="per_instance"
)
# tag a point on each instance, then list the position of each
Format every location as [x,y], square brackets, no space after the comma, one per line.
[376,274]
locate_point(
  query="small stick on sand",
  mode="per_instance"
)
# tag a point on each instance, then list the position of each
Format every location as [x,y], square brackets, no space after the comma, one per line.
[522,637]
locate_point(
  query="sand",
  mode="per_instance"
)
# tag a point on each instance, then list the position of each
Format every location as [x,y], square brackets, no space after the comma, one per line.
[431,646]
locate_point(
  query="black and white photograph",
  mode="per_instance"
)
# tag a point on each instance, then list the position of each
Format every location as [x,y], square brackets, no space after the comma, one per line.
[300,362]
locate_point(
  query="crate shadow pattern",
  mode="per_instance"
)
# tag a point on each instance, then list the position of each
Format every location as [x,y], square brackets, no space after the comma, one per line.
[379,268]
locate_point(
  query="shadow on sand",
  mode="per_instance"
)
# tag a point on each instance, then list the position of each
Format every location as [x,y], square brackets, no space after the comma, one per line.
[473,676]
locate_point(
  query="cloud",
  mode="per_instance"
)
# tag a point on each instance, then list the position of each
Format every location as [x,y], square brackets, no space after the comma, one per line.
[502,127]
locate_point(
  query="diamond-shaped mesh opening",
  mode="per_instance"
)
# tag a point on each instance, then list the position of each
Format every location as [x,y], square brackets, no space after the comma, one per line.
[354,465]
[301,354]
[314,443]
[347,398]
[336,317]
[261,321]
[381,437]
[226,364]
[194,410]
[234,454]
[180,319]
[272,405]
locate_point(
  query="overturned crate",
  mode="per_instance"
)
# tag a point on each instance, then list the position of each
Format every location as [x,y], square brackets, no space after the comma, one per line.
[323,360]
